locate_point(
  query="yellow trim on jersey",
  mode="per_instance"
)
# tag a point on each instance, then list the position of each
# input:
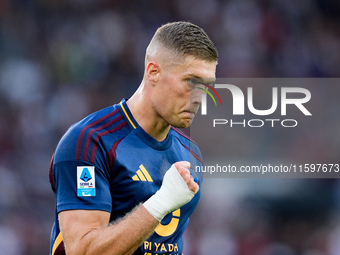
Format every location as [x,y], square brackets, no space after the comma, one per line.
[57,242]
[127,116]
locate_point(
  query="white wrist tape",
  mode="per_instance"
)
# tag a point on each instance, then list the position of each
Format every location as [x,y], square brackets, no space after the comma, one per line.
[173,193]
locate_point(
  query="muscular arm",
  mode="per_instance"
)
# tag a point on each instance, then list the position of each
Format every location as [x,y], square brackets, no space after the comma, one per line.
[88,232]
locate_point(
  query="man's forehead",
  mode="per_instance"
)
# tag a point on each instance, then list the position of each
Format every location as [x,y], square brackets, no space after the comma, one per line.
[199,68]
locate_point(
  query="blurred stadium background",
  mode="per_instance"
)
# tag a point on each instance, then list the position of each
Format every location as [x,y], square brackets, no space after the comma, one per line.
[61,60]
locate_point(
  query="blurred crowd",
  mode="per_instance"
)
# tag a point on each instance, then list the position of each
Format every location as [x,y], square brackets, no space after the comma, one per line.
[61,60]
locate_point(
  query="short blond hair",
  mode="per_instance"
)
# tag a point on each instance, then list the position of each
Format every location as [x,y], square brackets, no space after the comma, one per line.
[185,38]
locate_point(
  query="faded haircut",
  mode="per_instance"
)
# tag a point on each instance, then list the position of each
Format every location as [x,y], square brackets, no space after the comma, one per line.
[185,38]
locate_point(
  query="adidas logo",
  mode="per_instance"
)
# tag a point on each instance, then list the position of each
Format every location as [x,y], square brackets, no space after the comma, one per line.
[142,175]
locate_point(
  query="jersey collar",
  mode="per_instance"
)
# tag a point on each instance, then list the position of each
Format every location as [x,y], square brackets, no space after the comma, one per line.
[142,135]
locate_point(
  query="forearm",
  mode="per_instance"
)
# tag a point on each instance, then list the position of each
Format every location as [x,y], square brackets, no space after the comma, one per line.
[122,237]
[87,232]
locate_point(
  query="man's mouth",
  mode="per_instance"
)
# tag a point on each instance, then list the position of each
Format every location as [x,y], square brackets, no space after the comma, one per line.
[190,114]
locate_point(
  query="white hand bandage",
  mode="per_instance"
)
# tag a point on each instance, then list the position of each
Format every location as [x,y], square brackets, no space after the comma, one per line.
[173,193]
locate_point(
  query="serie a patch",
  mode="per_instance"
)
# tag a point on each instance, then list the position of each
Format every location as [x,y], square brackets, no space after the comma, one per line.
[86,181]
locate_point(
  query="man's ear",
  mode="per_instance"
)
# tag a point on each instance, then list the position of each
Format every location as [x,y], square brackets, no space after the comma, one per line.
[153,71]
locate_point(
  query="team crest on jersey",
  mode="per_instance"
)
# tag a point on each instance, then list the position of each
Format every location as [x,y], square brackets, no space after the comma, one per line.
[86,181]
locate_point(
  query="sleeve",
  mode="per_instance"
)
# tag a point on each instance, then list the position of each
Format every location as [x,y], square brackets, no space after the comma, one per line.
[80,184]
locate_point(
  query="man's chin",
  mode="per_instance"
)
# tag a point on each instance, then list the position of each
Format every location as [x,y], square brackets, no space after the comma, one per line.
[183,124]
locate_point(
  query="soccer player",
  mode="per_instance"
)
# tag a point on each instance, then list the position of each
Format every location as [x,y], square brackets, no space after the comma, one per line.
[121,176]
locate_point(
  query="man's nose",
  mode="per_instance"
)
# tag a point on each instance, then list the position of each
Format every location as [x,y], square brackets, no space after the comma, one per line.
[196,96]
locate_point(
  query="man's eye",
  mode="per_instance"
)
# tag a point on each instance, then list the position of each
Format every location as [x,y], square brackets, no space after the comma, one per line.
[193,84]
[194,81]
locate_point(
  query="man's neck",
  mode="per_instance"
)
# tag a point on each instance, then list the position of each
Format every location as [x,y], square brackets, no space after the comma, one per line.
[146,118]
